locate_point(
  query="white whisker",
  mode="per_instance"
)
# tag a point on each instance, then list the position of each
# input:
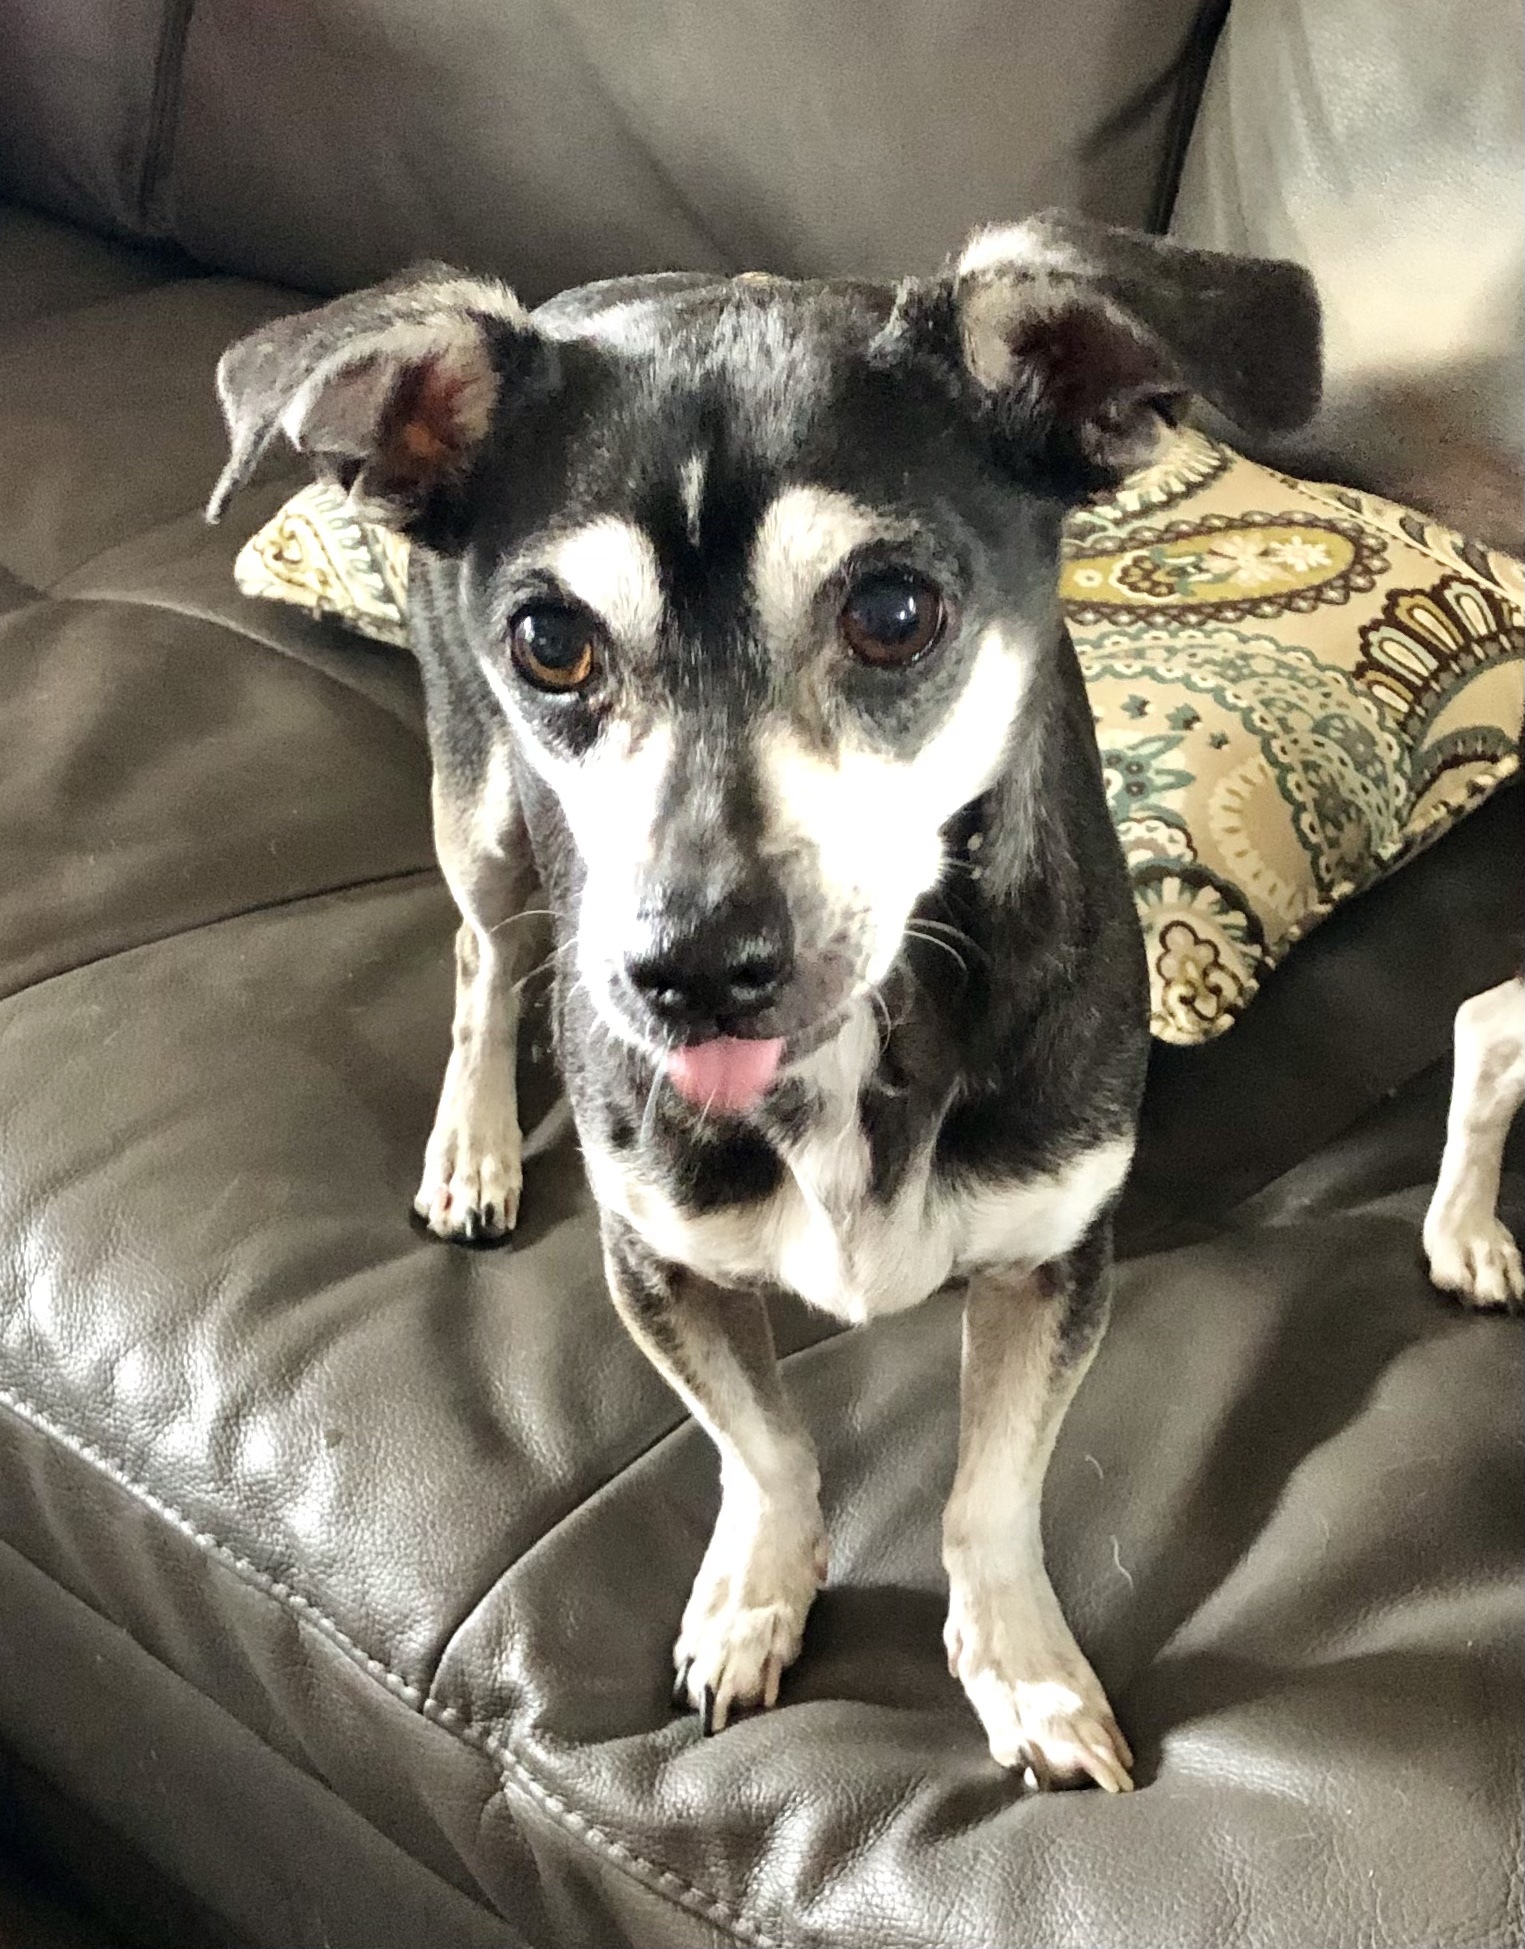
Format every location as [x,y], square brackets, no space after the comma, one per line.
[945,927]
[649,1114]
[529,913]
[931,940]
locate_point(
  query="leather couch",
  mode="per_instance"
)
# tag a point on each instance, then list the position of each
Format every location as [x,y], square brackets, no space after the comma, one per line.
[339,1568]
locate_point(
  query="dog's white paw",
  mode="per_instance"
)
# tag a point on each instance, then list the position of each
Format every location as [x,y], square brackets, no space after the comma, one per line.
[473,1173]
[1474,1257]
[745,1618]
[1040,1703]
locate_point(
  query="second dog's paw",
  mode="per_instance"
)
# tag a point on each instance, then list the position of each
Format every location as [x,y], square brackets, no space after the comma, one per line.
[1477,1260]
[471,1184]
[744,1623]
[1040,1703]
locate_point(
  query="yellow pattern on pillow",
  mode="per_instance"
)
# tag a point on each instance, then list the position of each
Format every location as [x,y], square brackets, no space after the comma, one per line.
[318,553]
[1295,687]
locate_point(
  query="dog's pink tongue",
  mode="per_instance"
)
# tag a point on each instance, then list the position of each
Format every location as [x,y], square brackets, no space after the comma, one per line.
[728,1073]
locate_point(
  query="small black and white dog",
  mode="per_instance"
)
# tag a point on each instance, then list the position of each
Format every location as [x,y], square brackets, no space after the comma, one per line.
[736,606]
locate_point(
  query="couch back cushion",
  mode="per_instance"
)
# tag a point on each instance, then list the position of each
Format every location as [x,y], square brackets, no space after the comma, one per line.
[324,143]
[1382,143]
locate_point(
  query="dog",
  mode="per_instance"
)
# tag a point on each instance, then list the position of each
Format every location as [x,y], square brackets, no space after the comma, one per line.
[1470,1251]
[736,606]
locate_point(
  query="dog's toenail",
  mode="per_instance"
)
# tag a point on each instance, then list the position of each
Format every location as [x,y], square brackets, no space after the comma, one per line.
[707,1711]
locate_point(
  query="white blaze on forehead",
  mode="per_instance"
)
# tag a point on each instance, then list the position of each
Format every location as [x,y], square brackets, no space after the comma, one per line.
[487,295]
[691,493]
[611,567]
[874,819]
[806,533]
[985,320]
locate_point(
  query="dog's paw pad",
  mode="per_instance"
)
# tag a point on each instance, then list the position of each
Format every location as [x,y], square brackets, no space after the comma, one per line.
[1478,1261]
[742,1630]
[1042,1707]
[471,1193]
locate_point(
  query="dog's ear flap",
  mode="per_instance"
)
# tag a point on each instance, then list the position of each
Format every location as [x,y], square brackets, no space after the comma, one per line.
[1078,340]
[390,391]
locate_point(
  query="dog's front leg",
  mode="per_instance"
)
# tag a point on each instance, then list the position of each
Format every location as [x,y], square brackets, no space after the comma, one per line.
[472,1168]
[744,1619]
[1028,1339]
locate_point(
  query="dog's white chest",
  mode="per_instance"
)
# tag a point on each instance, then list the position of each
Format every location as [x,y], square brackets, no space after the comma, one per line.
[825,1237]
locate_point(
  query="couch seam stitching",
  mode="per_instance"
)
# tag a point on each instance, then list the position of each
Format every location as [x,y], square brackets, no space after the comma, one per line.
[309,1774]
[1194,65]
[163,112]
[513,1769]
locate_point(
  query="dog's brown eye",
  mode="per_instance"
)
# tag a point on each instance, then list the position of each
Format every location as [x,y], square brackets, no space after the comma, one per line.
[890,618]
[554,648]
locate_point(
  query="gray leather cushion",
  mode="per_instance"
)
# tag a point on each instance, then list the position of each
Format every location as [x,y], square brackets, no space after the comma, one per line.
[326,144]
[1383,144]
[334,1560]
[83,107]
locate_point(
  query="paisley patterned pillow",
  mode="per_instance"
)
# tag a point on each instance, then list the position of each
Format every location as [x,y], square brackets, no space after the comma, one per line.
[1295,687]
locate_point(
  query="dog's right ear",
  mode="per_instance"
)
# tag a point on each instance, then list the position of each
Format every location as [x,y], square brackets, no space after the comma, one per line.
[1074,343]
[390,391]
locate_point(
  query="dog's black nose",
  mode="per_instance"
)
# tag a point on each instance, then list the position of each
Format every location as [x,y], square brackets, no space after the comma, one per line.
[714,963]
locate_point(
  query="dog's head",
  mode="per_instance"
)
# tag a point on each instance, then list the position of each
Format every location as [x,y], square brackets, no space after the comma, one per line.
[760,573]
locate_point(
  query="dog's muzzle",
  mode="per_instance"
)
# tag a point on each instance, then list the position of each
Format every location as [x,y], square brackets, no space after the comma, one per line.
[708,975]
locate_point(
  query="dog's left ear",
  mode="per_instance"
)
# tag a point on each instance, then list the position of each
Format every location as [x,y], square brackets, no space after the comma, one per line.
[391,391]
[1076,341]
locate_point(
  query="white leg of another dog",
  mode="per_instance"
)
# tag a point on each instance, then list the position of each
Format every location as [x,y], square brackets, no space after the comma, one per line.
[1042,1707]
[1470,1252]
